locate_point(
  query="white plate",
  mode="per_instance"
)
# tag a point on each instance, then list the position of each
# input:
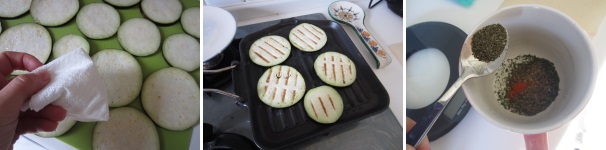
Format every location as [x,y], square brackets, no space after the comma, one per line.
[219,30]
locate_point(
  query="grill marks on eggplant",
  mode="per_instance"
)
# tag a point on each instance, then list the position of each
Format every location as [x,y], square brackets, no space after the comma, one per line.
[335,69]
[323,104]
[269,50]
[308,37]
[300,39]
[332,103]
[260,56]
[314,109]
[324,109]
[281,86]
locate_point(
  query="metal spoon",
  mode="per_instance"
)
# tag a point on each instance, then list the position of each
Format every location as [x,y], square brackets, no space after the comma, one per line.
[352,15]
[471,67]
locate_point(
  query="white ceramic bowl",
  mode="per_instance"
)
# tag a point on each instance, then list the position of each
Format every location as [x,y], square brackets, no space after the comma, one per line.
[546,33]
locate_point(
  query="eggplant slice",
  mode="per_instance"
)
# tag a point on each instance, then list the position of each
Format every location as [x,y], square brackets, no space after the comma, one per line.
[281,86]
[54,12]
[335,69]
[98,20]
[307,37]
[14,8]
[269,50]
[323,104]
[28,38]
[62,127]
[127,128]
[70,43]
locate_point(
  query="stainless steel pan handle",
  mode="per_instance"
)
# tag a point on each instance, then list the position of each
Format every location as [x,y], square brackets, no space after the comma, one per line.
[238,100]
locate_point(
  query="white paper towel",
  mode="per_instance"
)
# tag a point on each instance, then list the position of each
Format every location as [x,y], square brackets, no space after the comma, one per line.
[75,85]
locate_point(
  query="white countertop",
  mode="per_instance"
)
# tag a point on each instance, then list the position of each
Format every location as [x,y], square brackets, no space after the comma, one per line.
[474,132]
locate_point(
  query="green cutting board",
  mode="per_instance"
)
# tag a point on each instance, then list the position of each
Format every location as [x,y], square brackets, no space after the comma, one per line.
[80,135]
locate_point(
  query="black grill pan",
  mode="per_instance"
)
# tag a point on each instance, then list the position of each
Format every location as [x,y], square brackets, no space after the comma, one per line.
[275,128]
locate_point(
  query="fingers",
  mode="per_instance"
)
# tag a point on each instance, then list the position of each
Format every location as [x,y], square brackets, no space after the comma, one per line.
[17,61]
[409,124]
[408,147]
[31,125]
[50,112]
[424,143]
[20,89]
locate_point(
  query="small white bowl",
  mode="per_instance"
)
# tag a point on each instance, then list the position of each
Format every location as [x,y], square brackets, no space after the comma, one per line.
[546,33]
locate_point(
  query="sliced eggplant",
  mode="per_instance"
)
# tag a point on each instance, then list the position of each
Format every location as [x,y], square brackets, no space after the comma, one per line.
[98,20]
[162,11]
[121,74]
[29,38]
[69,43]
[62,127]
[122,3]
[335,69]
[308,37]
[127,128]
[190,20]
[323,104]
[269,50]
[182,51]
[139,37]
[171,98]
[281,86]
[14,8]
[54,12]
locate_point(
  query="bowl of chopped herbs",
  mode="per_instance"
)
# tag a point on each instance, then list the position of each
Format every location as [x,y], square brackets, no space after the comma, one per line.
[547,76]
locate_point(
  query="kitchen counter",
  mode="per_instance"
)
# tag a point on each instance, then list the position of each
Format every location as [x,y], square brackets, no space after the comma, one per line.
[474,132]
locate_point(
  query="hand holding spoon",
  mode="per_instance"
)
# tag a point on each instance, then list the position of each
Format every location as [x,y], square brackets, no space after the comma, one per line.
[481,55]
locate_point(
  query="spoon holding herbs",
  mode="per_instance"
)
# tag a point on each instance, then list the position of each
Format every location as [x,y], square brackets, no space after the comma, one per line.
[481,55]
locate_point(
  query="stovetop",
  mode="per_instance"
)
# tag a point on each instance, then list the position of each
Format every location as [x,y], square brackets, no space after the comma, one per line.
[381,131]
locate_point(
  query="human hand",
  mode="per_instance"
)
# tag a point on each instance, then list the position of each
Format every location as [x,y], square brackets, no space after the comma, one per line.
[424,144]
[14,92]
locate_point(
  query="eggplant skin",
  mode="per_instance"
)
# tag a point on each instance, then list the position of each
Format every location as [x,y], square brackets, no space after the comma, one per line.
[323,104]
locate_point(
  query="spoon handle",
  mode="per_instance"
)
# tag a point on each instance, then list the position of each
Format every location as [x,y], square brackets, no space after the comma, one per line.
[373,46]
[416,134]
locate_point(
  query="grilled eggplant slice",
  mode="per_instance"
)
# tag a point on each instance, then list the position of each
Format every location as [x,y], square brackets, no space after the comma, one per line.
[281,86]
[323,104]
[307,37]
[335,69]
[269,50]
